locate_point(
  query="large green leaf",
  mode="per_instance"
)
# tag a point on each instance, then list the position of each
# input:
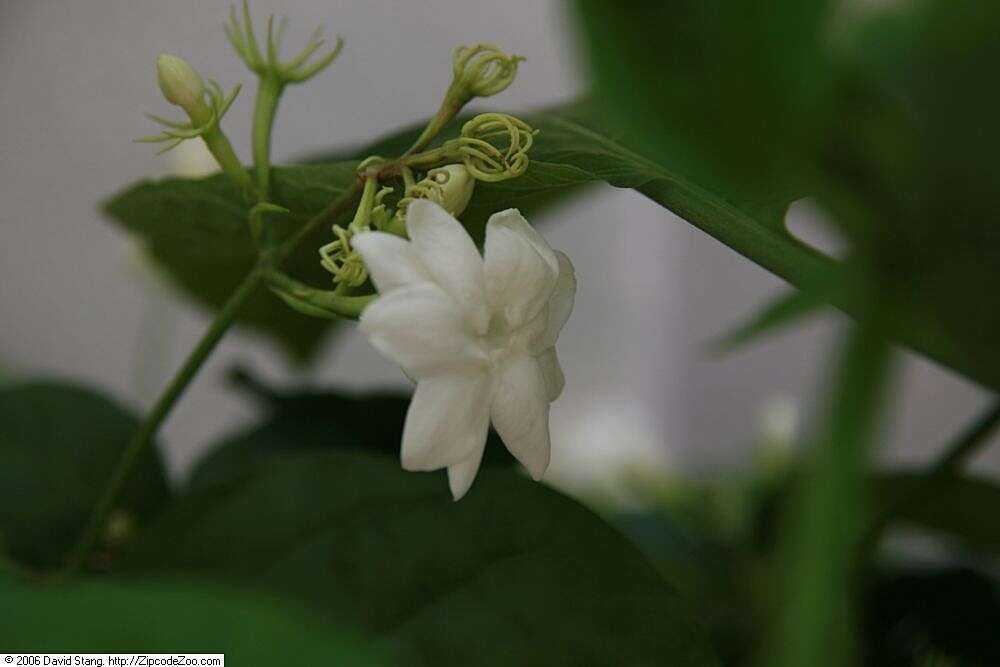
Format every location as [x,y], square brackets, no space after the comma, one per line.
[58,446]
[197,231]
[170,616]
[513,574]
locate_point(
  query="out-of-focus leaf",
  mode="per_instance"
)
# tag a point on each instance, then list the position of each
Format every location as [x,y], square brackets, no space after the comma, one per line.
[932,617]
[953,505]
[726,92]
[884,112]
[513,574]
[59,444]
[912,156]
[777,313]
[170,616]
[719,579]
[197,231]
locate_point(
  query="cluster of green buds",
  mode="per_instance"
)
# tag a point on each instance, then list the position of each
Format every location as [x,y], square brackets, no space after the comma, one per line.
[491,147]
[182,85]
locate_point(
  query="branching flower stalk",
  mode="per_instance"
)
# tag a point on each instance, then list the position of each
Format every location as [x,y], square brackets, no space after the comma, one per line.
[480,70]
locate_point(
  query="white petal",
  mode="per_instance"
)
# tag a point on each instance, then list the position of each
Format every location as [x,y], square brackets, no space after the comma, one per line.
[521,269]
[552,372]
[422,329]
[447,421]
[462,474]
[391,261]
[450,255]
[560,303]
[520,413]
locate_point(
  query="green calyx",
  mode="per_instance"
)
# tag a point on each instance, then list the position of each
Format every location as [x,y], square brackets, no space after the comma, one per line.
[481,70]
[274,76]
[267,63]
[326,304]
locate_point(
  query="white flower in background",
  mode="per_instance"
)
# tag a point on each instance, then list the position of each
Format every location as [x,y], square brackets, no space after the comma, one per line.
[477,333]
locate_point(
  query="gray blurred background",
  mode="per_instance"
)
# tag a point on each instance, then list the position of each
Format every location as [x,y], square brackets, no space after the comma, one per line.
[644,392]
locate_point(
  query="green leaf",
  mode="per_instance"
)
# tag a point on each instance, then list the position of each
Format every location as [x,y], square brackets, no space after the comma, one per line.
[912,158]
[513,574]
[58,446]
[197,231]
[776,314]
[170,616]
[727,92]
[952,505]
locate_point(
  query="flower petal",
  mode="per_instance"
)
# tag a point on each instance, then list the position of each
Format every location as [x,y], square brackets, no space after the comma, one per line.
[560,303]
[391,261]
[447,421]
[422,329]
[521,269]
[450,256]
[552,372]
[520,413]
[462,474]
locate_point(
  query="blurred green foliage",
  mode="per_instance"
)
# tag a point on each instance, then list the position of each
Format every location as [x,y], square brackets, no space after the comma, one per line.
[59,444]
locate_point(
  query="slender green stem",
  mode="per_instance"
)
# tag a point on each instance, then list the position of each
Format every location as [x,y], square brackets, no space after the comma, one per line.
[815,625]
[268,94]
[324,217]
[362,217]
[156,416]
[218,145]
[448,110]
[161,410]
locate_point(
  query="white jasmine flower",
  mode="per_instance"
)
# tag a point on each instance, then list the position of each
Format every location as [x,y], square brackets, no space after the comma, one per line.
[477,334]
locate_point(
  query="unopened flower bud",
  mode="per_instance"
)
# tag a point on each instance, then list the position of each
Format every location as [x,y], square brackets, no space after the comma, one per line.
[181,84]
[454,187]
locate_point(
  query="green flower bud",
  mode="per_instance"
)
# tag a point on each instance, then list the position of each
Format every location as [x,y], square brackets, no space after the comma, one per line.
[181,84]
[451,186]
